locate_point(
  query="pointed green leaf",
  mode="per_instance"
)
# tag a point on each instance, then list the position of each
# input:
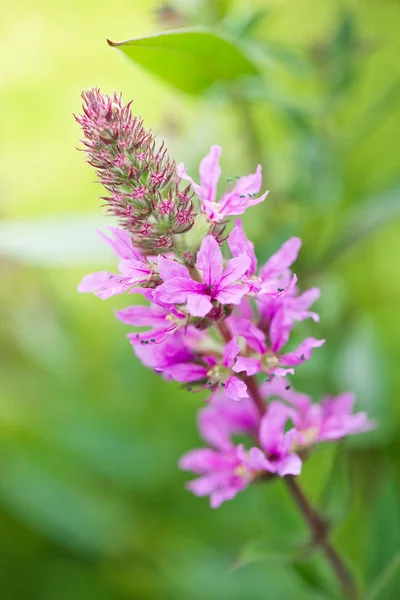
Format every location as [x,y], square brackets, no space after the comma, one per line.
[386,578]
[285,550]
[192,60]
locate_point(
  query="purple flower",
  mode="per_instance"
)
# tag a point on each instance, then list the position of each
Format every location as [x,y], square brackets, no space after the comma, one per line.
[212,372]
[331,419]
[222,419]
[133,268]
[235,200]
[162,319]
[277,443]
[174,349]
[217,284]
[270,360]
[226,469]
[224,473]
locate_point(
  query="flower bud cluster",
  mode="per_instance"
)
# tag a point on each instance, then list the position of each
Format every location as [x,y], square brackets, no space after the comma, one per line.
[141,180]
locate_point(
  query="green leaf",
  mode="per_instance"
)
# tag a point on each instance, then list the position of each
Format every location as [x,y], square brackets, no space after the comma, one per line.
[285,550]
[364,219]
[336,499]
[320,461]
[384,557]
[192,60]
[384,579]
[38,488]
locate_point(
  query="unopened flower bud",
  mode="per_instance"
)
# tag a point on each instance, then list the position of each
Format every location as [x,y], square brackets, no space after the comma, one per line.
[139,176]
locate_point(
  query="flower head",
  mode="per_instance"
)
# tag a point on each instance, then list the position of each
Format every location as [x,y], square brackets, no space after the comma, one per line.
[138,175]
[180,287]
[235,200]
[330,419]
[133,268]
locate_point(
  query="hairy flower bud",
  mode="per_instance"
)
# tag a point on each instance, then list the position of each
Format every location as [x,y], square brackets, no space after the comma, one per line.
[138,175]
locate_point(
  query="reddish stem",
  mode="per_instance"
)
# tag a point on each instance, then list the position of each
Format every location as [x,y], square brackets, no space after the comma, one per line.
[320,537]
[255,393]
[317,524]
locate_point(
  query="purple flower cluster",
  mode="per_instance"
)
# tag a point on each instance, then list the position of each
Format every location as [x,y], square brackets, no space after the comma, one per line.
[214,320]
[227,468]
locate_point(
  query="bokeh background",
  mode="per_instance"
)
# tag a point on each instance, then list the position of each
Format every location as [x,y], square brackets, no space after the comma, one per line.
[92,505]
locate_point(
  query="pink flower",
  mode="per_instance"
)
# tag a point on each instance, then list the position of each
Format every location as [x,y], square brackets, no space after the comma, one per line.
[222,418]
[227,469]
[224,473]
[276,272]
[234,201]
[173,349]
[331,419]
[265,359]
[133,268]
[211,372]
[217,284]
[163,320]
[277,443]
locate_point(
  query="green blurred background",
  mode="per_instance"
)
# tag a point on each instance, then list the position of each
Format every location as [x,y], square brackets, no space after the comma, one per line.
[92,504]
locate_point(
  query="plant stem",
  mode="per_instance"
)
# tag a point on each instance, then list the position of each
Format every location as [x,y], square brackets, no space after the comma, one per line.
[316,522]
[320,537]
[254,392]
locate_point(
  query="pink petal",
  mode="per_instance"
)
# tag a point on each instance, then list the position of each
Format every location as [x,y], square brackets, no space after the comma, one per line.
[302,353]
[249,365]
[176,291]
[231,202]
[152,336]
[185,372]
[169,269]
[203,460]
[239,244]
[220,496]
[231,351]
[198,304]
[235,388]
[142,316]
[289,465]
[121,242]
[210,173]
[180,170]
[205,485]
[277,388]
[283,258]
[235,268]
[257,460]
[273,423]
[340,405]
[136,271]
[209,261]
[232,294]
[243,326]
[280,328]
[104,284]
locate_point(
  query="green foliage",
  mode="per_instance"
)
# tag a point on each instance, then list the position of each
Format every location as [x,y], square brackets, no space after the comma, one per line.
[191,60]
